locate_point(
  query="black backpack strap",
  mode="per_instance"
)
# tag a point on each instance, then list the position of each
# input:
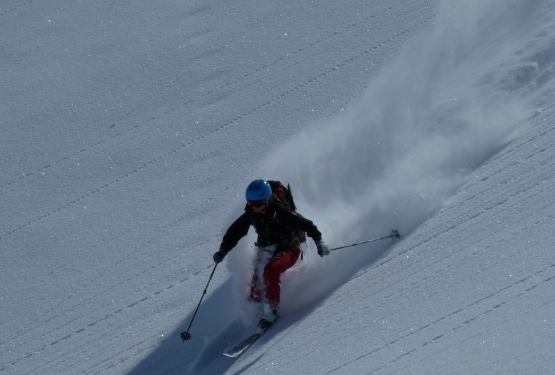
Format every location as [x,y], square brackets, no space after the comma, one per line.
[290,198]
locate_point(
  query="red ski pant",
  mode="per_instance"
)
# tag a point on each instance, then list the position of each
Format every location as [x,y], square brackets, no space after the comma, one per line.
[271,277]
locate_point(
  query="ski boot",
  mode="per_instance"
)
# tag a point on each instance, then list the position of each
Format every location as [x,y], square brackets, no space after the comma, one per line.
[269,316]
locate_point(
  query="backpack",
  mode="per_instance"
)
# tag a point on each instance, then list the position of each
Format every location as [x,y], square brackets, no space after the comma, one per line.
[283,196]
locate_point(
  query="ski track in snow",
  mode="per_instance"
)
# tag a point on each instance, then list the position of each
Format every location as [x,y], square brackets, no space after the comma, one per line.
[84,330]
[275,65]
[61,313]
[204,138]
[151,162]
[14,8]
[60,335]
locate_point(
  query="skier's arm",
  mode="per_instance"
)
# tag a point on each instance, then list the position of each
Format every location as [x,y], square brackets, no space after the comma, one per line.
[235,232]
[311,230]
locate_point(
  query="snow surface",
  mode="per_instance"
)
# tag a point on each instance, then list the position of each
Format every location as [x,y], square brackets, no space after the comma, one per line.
[131,129]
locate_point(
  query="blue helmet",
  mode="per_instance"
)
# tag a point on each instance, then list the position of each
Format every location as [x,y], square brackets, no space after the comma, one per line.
[258,190]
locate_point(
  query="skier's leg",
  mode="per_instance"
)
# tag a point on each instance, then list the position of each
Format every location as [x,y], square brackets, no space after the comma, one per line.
[256,288]
[272,274]
[263,255]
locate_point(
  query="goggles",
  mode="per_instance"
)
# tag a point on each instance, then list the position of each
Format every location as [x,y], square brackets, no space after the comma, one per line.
[259,203]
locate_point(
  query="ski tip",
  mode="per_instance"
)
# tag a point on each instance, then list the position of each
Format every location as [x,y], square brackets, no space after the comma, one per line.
[234,353]
[230,355]
[240,348]
[395,233]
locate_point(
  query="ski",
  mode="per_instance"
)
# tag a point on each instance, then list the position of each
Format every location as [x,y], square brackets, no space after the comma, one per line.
[240,348]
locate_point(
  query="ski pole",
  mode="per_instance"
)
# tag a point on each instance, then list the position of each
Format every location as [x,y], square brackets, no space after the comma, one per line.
[394,233]
[185,335]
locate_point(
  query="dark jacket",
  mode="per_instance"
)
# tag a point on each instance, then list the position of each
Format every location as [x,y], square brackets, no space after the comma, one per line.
[278,225]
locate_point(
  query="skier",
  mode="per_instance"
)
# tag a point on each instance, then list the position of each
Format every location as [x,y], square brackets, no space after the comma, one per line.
[280,232]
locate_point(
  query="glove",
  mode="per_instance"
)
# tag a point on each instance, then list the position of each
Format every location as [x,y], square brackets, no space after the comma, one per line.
[219,256]
[323,249]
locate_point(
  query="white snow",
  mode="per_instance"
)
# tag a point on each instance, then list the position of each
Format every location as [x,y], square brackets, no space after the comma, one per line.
[131,129]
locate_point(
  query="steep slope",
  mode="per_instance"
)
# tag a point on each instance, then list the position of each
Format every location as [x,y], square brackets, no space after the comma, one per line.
[470,291]
[128,130]
[131,130]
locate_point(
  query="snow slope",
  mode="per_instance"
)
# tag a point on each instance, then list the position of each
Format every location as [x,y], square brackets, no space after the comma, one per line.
[130,131]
